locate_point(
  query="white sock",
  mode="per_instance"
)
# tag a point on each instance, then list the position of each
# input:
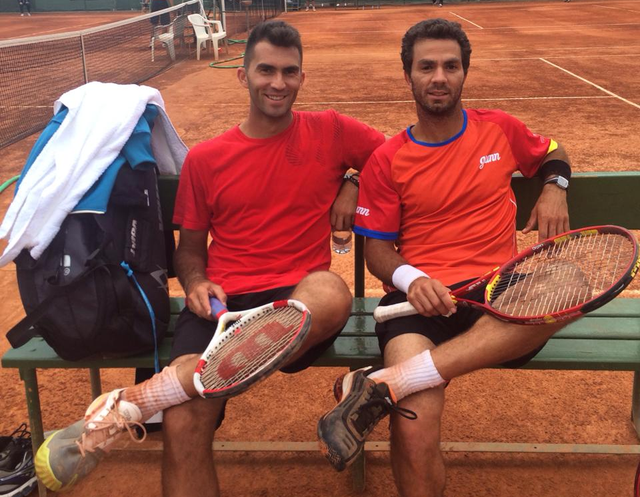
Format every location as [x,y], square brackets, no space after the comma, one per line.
[158,393]
[410,376]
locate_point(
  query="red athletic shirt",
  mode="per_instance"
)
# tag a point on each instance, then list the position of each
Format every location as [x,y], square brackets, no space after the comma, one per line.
[266,202]
[449,206]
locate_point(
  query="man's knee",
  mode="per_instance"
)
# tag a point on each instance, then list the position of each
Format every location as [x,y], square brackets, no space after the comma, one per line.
[327,297]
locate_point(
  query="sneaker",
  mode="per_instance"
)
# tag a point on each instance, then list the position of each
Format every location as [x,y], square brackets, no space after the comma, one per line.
[306,9]
[17,473]
[69,455]
[21,15]
[362,403]
[313,8]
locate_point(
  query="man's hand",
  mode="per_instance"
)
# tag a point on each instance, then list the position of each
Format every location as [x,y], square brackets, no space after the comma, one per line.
[343,210]
[550,214]
[430,297]
[198,292]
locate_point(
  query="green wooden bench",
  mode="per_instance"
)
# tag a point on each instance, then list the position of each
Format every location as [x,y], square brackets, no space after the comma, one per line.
[608,339]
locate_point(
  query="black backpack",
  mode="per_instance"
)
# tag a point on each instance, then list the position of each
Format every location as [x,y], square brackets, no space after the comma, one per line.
[100,287]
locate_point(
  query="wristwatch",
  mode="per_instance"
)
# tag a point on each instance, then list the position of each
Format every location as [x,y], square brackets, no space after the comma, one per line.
[559,181]
[353,177]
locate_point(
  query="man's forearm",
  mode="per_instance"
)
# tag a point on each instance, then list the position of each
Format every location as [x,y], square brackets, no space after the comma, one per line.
[382,259]
[190,265]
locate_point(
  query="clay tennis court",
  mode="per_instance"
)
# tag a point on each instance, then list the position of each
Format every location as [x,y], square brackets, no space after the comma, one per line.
[568,70]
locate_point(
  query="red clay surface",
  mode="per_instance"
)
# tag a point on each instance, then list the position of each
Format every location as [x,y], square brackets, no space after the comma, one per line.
[569,70]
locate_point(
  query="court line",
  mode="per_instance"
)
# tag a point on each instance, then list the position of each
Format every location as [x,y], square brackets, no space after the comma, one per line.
[591,83]
[467,20]
[372,102]
[498,59]
[535,28]
[501,99]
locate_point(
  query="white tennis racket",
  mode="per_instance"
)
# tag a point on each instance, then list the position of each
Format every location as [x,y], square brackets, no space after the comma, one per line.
[250,345]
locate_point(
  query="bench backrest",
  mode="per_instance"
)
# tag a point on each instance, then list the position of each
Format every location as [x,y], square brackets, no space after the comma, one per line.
[594,198]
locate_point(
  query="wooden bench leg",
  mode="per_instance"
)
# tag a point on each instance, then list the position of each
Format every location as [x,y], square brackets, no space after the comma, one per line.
[635,402]
[30,378]
[358,473]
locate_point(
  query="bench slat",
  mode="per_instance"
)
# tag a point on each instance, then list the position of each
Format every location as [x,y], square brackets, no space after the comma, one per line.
[595,328]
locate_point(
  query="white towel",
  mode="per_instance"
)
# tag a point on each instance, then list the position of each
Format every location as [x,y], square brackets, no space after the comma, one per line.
[101,118]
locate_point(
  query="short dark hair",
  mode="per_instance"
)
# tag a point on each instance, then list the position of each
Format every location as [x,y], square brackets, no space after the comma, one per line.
[436,29]
[278,33]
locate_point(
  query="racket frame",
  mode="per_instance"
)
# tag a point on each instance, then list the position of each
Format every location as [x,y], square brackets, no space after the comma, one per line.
[491,279]
[222,333]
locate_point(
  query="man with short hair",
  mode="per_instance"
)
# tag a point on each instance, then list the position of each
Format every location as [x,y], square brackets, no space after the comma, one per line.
[264,191]
[437,210]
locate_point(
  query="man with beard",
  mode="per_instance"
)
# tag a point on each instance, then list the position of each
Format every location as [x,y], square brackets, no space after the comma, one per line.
[436,206]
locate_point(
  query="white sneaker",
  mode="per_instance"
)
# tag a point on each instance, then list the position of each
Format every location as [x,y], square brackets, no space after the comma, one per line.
[306,9]
[314,9]
[21,15]
[29,14]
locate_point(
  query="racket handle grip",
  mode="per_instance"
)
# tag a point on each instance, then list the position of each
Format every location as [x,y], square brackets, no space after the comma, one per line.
[387,312]
[217,307]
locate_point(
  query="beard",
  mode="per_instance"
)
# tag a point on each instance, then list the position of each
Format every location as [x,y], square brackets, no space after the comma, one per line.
[441,109]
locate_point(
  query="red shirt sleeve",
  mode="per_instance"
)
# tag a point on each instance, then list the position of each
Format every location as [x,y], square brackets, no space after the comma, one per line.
[358,141]
[378,212]
[528,148]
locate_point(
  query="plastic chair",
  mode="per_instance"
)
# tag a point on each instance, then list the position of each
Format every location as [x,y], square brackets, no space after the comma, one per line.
[173,31]
[206,30]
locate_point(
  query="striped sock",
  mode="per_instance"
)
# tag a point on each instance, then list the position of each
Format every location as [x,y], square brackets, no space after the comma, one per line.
[158,393]
[410,376]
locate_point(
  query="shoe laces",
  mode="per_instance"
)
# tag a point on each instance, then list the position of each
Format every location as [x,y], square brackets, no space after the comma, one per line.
[87,440]
[21,432]
[379,405]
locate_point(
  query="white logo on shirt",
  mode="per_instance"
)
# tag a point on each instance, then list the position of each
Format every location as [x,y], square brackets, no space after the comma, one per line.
[486,159]
[362,211]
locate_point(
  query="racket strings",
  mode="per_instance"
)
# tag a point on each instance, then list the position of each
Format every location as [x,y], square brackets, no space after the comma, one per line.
[562,275]
[250,346]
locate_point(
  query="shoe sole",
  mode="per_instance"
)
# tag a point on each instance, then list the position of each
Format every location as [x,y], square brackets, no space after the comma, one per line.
[342,383]
[44,470]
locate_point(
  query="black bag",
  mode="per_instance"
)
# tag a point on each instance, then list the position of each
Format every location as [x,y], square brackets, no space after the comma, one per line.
[100,287]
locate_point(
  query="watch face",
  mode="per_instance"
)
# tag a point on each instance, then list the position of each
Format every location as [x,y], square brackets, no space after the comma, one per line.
[563,182]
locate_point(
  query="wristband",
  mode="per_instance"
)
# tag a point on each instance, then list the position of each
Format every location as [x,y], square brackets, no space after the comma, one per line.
[404,275]
[353,178]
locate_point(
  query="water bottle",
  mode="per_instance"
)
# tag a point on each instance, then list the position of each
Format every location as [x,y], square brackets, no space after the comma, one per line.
[341,242]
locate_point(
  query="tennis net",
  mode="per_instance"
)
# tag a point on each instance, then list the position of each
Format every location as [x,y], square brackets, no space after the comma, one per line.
[35,71]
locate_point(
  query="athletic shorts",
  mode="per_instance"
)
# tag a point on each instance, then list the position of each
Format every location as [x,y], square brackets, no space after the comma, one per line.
[193,334]
[438,329]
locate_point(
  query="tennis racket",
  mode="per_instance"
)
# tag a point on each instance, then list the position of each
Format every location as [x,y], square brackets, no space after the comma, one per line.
[560,278]
[250,345]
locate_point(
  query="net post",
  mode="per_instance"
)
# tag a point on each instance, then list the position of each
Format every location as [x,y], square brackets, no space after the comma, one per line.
[84,59]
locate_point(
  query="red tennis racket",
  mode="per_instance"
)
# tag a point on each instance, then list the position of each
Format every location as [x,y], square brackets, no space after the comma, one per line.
[560,278]
[256,343]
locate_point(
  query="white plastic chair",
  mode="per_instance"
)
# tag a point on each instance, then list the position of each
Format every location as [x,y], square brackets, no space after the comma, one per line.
[173,31]
[206,30]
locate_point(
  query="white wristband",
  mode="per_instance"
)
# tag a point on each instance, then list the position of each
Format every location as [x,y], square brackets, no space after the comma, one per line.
[404,275]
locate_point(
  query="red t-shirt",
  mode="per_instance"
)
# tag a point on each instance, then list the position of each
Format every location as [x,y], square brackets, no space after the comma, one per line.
[266,202]
[449,206]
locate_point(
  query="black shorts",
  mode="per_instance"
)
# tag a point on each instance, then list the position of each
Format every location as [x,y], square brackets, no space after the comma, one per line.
[438,329]
[193,334]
